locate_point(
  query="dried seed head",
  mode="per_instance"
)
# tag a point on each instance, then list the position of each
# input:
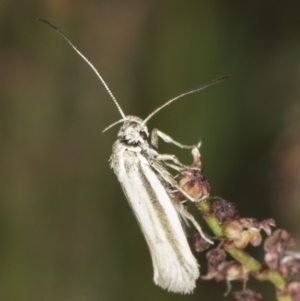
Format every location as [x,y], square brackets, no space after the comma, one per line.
[249,223]
[241,235]
[233,230]
[227,270]
[247,295]
[278,242]
[215,257]
[290,269]
[255,238]
[248,236]
[224,211]
[243,241]
[254,223]
[194,183]
[275,245]
[236,271]
[272,260]
[293,290]
[267,224]
[198,243]
[246,230]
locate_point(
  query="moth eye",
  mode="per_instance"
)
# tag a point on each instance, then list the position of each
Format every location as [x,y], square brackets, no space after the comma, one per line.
[143,135]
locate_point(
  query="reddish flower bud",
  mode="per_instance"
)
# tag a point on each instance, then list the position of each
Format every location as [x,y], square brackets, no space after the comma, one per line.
[233,230]
[293,290]
[215,257]
[266,225]
[290,268]
[193,183]
[229,270]
[245,230]
[224,211]
[249,223]
[247,295]
[236,271]
[198,243]
[255,238]
[243,241]
[272,260]
[278,242]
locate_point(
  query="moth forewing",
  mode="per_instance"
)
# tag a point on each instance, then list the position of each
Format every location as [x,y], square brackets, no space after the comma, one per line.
[175,267]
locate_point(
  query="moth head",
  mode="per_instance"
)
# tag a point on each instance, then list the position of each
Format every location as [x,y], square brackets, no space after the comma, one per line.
[133,131]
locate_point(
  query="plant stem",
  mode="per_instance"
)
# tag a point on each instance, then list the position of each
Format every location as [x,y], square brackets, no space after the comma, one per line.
[251,264]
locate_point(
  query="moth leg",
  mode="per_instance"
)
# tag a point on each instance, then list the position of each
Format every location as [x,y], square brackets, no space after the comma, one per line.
[191,218]
[157,133]
[160,168]
[175,167]
[173,158]
[196,158]
[168,178]
[196,161]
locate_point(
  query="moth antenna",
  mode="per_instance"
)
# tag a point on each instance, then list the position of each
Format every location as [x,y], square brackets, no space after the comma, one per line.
[211,83]
[110,126]
[88,62]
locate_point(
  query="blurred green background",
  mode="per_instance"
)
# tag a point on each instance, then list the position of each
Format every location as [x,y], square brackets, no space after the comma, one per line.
[66,230]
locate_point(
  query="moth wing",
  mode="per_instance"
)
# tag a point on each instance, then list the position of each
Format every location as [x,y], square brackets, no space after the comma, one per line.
[175,267]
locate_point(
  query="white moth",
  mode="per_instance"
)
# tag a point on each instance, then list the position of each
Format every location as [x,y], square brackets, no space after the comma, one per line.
[146,183]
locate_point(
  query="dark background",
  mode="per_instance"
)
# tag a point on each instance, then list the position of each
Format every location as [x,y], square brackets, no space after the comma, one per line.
[66,230]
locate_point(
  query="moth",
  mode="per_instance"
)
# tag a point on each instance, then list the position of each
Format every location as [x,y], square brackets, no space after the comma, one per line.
[148,185]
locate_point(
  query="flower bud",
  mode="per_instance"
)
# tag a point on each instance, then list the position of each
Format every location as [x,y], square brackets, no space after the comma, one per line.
[215,257]
[224,211]
[243,241]
[199,244]
[244,231]
[266,225]
[247,295]
[272,259]
[193,183]
[290,269]
[278,242]
[235,271]
[255,238]
[233,230]
[293,290]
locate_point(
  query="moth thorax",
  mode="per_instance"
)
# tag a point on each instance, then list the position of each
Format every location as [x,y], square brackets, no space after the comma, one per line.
[133,131]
